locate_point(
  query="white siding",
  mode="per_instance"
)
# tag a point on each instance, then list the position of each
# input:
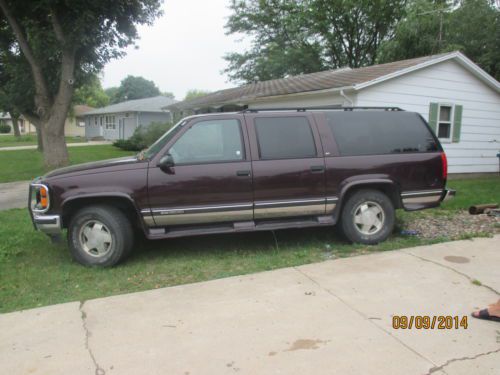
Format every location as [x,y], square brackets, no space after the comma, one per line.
[448,82]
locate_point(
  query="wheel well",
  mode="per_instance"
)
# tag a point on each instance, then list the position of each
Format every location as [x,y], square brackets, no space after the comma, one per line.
[388,189]
[123,204]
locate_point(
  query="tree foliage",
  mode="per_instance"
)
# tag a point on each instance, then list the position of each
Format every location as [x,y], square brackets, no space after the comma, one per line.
[50,47]
[300,36]
[472,26]
[195,93]
[91,94]
[133,87]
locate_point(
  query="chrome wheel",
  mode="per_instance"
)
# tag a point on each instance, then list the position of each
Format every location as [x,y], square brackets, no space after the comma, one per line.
[369,218]
[95,238]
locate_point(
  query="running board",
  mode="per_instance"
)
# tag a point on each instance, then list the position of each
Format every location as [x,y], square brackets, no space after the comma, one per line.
[243,226]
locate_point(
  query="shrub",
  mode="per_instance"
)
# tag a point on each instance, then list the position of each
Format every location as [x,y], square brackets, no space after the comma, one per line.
[143,137]
[4,128]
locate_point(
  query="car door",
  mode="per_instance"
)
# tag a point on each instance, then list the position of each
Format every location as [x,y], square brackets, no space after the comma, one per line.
[288,166]
[211,179]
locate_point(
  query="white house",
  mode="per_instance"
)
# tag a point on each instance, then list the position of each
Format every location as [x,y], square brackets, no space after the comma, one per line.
[460,101]
[119,121]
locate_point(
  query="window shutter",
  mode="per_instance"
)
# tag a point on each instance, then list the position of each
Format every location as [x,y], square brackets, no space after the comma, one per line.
[433,116]
[457,123]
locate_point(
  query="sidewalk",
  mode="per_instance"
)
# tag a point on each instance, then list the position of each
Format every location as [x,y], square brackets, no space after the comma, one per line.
[333,317]
[33,147]
[14,195]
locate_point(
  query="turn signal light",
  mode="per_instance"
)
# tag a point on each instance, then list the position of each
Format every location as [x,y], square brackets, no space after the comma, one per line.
[44,197]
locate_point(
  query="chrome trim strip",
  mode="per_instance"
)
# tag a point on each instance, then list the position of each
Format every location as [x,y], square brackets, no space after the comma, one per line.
[204,217]
[332,199]
[289,202]
[420,193]
[183,210]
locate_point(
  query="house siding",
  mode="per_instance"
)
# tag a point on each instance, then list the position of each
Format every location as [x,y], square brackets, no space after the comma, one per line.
[449,83]
[146,118]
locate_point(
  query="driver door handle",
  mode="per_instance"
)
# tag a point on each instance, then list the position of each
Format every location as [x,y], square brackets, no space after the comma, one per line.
[243,173]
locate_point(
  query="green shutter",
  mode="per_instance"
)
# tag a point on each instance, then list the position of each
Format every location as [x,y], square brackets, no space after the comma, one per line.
[457,123]
[433,116]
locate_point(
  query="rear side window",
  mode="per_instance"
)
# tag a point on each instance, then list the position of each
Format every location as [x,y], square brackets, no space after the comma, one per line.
[374,133]
[284,138]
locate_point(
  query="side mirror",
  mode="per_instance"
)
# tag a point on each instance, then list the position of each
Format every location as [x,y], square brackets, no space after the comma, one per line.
[166,163]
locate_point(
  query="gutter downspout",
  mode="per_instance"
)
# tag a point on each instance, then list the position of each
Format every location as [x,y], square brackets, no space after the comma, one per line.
[346,98]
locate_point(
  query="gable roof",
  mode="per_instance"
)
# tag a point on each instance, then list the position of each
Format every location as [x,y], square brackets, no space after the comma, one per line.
[154,104]
[81,109]
[330,80]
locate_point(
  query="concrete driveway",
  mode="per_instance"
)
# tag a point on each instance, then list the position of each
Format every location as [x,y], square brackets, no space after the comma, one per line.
[333,317]
[14,195]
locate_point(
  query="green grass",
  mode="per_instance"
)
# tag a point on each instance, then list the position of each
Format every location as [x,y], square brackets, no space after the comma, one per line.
[30,140]
[26,164]
[34,272]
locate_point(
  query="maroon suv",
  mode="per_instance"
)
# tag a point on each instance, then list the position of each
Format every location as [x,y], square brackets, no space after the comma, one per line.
[247,171]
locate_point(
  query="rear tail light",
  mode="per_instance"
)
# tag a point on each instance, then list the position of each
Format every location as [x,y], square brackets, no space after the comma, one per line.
[444,164]
[40,198]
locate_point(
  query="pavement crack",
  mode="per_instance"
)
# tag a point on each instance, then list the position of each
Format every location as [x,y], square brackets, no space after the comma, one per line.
[360,313]
[452,269]
[98,369]
[450,361]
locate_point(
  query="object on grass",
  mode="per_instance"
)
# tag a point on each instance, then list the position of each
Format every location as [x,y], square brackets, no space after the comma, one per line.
[409,232]
[493,212]
[479,208]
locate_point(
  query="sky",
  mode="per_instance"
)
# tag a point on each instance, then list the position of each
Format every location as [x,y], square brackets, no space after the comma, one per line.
[183,50]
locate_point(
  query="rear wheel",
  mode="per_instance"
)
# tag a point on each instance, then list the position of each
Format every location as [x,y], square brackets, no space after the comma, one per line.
[368,217]
[100,236]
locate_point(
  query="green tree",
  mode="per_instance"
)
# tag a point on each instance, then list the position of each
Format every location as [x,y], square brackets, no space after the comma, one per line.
[194,93]
[58,44]
[133,87]
[292,37]
[471,26]
[91,94]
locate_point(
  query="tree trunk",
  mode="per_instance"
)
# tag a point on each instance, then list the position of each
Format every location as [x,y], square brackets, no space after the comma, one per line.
[55,152]
[15,125]
[39,139]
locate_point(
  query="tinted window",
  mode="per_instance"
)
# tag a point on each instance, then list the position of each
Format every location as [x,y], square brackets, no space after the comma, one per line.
[284,138]
[371,133]
[209,141]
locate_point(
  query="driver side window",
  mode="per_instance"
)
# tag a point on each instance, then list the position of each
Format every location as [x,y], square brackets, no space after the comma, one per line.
[209,141]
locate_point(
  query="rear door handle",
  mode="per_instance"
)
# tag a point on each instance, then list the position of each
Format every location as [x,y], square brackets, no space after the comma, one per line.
[317,169]
[243,173]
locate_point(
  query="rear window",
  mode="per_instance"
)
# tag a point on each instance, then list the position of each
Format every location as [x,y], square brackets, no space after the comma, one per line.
[372,133]
[284,138]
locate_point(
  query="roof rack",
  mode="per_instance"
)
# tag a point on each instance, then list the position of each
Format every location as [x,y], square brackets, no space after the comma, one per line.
[330,108]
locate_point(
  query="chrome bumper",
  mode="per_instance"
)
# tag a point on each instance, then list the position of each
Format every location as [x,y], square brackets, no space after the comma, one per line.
[448,194]
[50,224]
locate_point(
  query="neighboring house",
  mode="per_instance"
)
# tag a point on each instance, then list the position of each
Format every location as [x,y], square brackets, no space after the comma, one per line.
[119,121]
[75,122]
[25,127]
[460,101]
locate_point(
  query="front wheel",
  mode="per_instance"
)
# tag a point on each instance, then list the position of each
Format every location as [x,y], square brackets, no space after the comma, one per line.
[368,217]
[100,236]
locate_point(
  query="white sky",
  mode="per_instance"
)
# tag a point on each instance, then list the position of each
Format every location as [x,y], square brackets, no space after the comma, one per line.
[183,49]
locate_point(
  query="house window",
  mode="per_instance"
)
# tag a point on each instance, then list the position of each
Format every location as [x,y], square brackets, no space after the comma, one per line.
[110,122]
[445,122]
[101,119]
[95,121]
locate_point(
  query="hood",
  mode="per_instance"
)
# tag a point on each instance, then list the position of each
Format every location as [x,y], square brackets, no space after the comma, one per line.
[92,166]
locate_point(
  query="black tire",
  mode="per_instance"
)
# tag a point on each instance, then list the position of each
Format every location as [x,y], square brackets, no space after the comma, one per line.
[103,223]
[381,224]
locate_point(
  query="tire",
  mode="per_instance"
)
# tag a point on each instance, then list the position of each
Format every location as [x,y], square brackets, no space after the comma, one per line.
[368,227]
[100,236]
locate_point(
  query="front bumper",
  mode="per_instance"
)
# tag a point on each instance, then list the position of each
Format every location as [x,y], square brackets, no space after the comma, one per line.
[50,224]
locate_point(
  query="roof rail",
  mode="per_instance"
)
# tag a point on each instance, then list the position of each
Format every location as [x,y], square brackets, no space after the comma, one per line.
[329,108]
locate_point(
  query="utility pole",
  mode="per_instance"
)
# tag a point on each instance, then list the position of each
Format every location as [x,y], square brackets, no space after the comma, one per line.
[440,36]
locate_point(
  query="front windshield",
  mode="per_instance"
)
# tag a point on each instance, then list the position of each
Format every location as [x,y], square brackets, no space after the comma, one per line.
[162,141]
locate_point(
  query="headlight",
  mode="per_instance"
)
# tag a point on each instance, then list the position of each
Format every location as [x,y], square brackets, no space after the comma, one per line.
[40,200]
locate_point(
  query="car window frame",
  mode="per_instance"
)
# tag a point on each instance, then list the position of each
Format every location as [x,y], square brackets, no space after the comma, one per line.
[312,127]
[209,119]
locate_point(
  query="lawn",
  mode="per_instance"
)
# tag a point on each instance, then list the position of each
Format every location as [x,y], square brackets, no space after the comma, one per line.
[26,164]
[29,140]
[34,272]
